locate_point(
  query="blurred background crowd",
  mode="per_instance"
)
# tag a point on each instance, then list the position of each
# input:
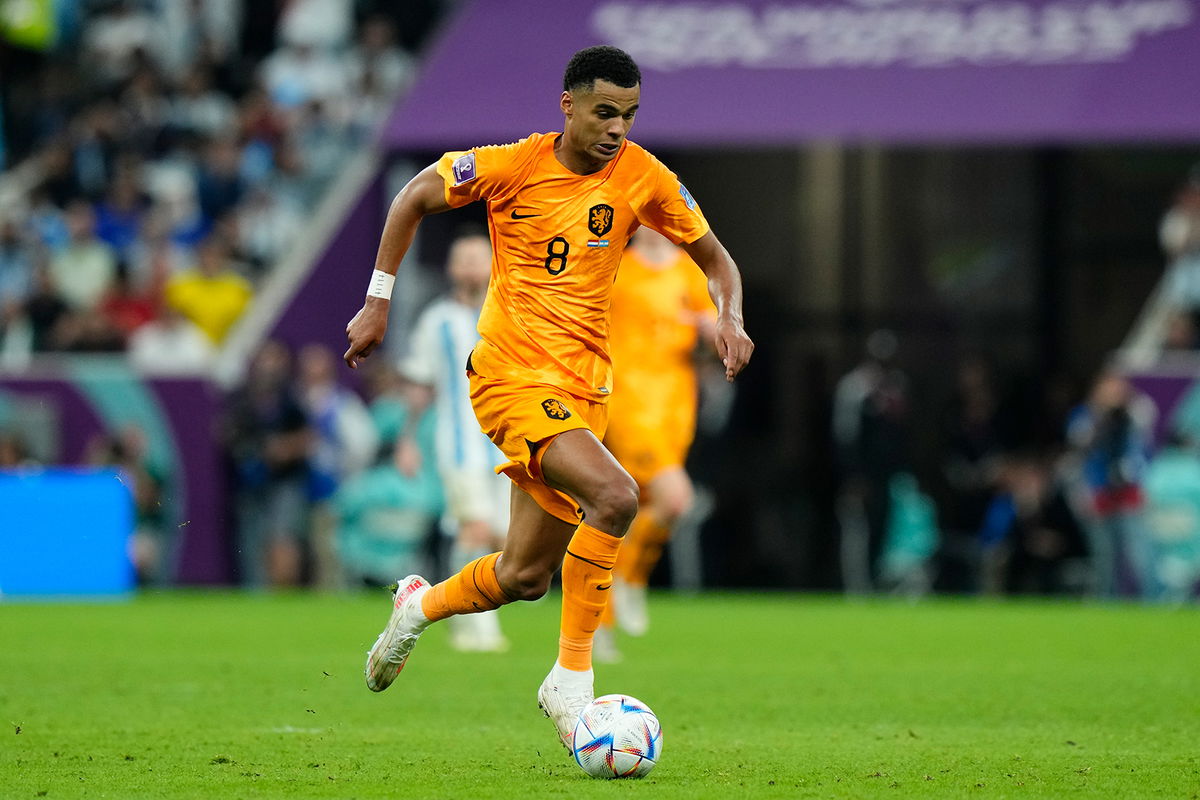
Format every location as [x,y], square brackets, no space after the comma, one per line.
[161,156]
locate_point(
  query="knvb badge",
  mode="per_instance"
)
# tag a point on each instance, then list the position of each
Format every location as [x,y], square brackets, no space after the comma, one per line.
[464,169]
[600,219]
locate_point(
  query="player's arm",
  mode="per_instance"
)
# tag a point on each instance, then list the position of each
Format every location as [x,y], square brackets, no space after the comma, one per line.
[725,287]
[423,195]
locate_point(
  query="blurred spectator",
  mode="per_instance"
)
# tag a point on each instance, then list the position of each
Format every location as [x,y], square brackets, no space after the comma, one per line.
[1181,335]
[269,438]
[154,257]
[47,223]
[151,548]
[60,181]
[118,38]
[870,432]
[267,224]
[384,517]
[145,112]
[84,271]
[193,31]
[912,537]
[87,331]
[13,451]
[16,268]
[97,135]
[321,24]
[219,182]
[1179,230]
[976,434]
[171,344]
[1029,534]
[200,110]
[344,443]
[119,215]
[44,310]
[1109,436]
[126,309]
[1173,514]
[212,294]
[379,70]
[1179,235]
[301,73]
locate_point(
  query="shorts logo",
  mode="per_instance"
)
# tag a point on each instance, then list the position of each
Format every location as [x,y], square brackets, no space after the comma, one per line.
[600,219]
[464,169]
[687,197]
[555,409]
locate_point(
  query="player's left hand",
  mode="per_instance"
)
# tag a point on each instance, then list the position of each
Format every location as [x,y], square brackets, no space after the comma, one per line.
[733,346]
[365,332]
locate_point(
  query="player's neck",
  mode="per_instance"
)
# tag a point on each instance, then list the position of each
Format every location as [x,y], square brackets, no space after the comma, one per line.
[575,161]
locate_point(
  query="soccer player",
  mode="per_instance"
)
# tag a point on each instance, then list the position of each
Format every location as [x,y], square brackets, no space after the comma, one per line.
[476,496]
[561,207]
[660,309]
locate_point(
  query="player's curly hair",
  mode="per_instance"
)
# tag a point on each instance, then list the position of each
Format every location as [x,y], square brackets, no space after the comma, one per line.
[601,62]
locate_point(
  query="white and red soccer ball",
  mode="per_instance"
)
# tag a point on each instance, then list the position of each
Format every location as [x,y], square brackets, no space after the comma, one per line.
[617,736]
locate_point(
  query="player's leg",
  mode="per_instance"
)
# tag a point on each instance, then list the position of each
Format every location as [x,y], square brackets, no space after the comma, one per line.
[577,464]
[669,495]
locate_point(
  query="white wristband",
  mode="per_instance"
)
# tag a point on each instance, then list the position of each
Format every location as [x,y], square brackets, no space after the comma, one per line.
[381,285]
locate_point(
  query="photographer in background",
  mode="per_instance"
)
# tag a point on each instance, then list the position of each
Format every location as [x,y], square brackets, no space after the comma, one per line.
[1109,436]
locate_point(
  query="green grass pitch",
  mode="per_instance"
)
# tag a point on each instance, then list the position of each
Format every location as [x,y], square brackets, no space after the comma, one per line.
[195,695]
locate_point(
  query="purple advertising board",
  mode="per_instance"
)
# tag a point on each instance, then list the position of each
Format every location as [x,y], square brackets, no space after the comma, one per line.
[771,72]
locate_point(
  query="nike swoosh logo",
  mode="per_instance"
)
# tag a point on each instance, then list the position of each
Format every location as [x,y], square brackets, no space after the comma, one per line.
[603,588]
[515,215]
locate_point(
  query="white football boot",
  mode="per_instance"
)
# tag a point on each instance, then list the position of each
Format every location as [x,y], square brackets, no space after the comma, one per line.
[630,607]
[386,658]
[562,696]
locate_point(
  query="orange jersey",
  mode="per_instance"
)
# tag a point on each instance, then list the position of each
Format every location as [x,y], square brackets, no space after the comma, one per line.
[655,313]
[557,240]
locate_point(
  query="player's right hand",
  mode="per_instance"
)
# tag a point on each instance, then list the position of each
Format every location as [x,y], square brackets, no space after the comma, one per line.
[733,346]
[366,330]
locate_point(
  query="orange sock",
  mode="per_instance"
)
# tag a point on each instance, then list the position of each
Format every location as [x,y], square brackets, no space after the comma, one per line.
[586,580]
[642,549]
[474,588]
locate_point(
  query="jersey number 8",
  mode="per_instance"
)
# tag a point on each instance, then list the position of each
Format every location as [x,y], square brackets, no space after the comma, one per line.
[556,255]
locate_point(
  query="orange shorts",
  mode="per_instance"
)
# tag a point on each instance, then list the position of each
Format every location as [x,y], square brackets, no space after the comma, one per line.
[650,432]
[521,419]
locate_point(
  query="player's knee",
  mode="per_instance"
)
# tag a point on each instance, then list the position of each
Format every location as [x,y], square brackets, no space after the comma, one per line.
[616,504]
[525,583]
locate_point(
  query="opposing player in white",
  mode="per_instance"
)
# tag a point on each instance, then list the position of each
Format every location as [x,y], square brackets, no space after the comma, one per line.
[477,499]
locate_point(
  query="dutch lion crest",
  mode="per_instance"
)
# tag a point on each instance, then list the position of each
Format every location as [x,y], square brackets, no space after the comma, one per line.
[600,219]
[555,409]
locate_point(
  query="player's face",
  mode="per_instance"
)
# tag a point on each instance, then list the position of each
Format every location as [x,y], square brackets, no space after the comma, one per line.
[598,121]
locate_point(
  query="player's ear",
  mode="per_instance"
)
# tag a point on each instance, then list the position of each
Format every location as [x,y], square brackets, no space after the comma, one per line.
[567,103]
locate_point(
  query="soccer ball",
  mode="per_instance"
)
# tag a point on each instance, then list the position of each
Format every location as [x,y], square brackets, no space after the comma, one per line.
[617,736]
